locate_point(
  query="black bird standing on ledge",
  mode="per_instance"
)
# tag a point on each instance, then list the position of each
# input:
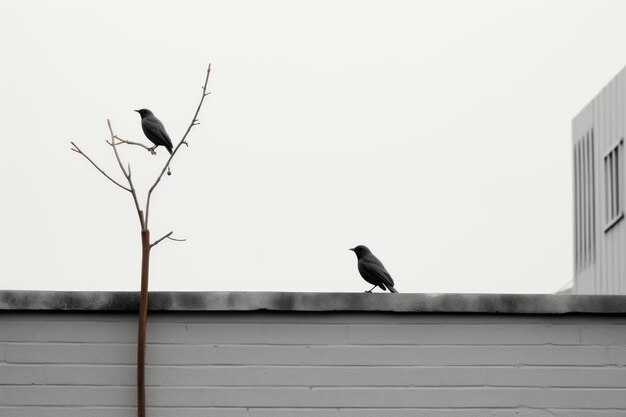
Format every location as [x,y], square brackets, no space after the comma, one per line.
[372,269]
[154,130]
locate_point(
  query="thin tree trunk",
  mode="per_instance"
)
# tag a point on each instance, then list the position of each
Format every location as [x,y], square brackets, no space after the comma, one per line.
[143,318]
[145,235]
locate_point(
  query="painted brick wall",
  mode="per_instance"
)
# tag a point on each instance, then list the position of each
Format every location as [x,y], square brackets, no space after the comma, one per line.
[264,364]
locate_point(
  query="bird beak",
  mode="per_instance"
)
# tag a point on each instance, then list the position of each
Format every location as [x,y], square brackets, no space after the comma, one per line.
[137,111]
[352,249]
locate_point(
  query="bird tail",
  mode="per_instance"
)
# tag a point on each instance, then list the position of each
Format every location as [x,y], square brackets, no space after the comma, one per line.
[169,150]
[390,288]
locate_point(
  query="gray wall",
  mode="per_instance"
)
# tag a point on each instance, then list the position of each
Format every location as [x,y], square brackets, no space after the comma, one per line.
[284,364]
[599,254]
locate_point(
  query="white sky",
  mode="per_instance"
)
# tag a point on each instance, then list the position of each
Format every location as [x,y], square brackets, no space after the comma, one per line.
[436,132]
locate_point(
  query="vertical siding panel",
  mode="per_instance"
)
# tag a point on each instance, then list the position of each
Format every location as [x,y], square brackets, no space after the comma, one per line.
[600,267]
[584,210]
[594,184]
[580,278]
[609,139]
[593,122]
[610,110]
[621,283]
[622,228]
[607,135]
[581,200]
[581,211]
[620,231]
[589,201]
[593,269]
[575,195]
[601,244]
[616,232]
[600,117]
[597,203]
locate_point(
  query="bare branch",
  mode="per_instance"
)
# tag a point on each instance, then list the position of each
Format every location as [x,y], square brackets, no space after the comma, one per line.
[117,155]
[142,221]
[128,142]
[194,121]
[156,242]
[79,151]
[167,236]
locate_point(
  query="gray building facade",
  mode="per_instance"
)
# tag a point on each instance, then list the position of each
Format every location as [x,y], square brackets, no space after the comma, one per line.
[599,227]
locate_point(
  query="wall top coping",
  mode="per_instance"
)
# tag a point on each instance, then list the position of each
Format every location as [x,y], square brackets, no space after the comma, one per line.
[104,301]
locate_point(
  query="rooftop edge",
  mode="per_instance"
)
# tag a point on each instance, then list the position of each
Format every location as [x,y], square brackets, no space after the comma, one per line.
[179,301]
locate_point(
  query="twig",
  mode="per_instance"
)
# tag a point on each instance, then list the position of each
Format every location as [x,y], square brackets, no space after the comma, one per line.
[167,236]
[79,151]
[128,142]
[127,174]
[194,122]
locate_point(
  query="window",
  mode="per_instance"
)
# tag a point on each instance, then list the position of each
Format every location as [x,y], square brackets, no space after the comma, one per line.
[612,183]
[584,202]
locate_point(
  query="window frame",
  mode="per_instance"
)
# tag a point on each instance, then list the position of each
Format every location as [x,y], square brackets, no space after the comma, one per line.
[613,195]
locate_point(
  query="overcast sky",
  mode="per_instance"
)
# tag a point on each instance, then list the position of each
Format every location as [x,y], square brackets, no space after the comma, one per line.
[438,133]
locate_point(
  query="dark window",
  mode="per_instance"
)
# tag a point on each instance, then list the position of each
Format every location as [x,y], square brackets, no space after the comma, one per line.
[613,211]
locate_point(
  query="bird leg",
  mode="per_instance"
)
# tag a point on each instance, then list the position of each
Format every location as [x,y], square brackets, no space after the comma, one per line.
[371,289]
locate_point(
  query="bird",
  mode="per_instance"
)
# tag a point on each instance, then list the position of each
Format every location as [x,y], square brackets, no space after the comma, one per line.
[154,130]
[372,269]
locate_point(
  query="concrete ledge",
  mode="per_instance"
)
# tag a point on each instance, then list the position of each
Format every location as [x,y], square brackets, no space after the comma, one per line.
[297,301]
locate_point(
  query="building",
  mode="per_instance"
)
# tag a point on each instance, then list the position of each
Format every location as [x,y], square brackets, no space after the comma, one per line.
[230,354]
[599,228]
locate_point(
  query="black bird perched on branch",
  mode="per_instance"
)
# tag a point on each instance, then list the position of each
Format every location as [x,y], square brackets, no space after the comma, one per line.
[154,130]
[372,269]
